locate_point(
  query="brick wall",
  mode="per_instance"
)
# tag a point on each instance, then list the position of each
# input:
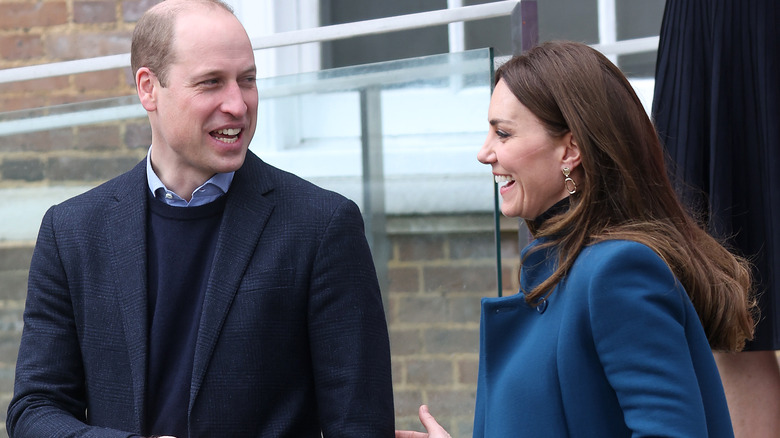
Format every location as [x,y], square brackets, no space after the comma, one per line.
[14,263]
[38,32]
[42,31]
[436,283]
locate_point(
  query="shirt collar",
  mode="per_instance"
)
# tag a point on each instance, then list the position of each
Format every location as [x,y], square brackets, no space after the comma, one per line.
[209,191]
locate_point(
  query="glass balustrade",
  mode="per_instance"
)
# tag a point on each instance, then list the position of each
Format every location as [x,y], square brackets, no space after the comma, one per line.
[400,138]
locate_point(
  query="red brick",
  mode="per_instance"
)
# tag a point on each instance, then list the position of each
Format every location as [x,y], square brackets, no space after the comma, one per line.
[407,402]
[88,45]
[467,370]
[433,372]
[35,85]
[464,309]
[15,257]
[420,247]
[138,135]
[18,15]
[20,103]
[129,80]
[133,9]
[510,281]
[20,47]
[27,169]
[463,424]
[397,369]
[422,309]
[405,342]
[98,138]
[94,12]
[404,279]
[451,341]
[410,421]
[41,141]
[88,169]
[460,278]
[14,288]
[98,80]
[510,245]
[473,246]
[446,403]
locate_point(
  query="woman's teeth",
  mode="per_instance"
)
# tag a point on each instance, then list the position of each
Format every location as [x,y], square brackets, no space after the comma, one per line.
[503,179]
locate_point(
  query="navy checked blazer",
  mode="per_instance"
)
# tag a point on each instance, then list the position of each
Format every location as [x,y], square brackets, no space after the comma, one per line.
[292,340]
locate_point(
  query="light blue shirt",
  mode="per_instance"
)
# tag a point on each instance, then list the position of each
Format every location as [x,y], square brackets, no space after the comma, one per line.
[209,191]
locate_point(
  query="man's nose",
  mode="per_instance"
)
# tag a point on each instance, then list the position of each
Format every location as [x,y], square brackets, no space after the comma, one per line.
[233,100]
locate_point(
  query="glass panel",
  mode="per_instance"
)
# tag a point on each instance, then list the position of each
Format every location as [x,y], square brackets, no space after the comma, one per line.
[400,138]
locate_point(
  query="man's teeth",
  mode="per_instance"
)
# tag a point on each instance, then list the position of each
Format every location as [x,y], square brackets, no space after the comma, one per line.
[230,132]
[503,179]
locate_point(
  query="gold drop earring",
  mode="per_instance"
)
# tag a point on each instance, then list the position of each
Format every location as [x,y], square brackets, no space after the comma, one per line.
[569,183]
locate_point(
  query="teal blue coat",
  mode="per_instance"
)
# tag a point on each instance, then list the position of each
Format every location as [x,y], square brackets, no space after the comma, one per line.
[616,351]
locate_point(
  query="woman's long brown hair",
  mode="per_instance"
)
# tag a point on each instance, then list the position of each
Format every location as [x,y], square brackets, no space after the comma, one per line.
[626,192]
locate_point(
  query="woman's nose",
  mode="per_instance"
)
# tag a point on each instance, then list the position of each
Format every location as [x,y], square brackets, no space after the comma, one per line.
[486,154]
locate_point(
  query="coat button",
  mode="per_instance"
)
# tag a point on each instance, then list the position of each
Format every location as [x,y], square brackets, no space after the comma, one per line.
[541,305]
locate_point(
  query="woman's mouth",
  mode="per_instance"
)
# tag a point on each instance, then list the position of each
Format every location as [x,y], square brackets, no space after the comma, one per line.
[506,182]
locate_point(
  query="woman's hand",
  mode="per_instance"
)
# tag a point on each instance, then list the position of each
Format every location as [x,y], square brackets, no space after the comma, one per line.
[430,424]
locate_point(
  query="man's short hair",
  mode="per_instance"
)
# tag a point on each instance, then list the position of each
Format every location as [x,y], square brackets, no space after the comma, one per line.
[153,36]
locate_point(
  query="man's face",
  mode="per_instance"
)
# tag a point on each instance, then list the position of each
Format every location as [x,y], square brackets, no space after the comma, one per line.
[206,114]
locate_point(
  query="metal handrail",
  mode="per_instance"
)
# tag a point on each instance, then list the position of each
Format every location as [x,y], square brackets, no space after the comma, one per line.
[282,39]
[325,33]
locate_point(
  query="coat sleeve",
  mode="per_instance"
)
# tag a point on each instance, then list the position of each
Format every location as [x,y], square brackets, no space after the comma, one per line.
[49,391]
[638,314]
[348,333]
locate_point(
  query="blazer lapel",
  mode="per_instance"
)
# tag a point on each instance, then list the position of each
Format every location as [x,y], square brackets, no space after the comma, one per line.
[245,216]
[127,219]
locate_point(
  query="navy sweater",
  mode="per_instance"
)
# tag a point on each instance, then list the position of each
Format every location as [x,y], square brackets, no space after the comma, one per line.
[181,244]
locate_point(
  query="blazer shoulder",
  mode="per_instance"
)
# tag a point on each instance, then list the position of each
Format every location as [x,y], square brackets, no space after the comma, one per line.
[98,198]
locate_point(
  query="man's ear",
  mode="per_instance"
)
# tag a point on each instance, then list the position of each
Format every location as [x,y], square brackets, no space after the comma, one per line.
[146,86]
[571,155]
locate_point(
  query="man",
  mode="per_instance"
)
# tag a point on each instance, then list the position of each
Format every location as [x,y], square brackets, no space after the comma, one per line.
[252,311]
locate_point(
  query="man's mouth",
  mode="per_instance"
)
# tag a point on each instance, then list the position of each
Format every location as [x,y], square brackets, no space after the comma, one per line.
[229,135]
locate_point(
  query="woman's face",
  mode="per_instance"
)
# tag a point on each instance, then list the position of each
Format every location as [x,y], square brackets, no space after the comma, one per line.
[526,160]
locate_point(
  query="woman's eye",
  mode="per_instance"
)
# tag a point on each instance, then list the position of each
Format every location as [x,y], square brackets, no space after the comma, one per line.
[501,133]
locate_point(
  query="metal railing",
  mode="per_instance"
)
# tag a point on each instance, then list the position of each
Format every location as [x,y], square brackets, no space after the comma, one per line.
[326,33]
[283,39]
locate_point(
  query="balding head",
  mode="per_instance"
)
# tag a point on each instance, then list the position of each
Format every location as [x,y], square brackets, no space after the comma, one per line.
[154,34]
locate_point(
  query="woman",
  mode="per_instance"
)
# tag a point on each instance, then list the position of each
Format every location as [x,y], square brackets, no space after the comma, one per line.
[622,294]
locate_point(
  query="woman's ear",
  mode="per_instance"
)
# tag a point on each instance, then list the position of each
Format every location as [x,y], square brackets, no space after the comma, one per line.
[571,155]
[146,84]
